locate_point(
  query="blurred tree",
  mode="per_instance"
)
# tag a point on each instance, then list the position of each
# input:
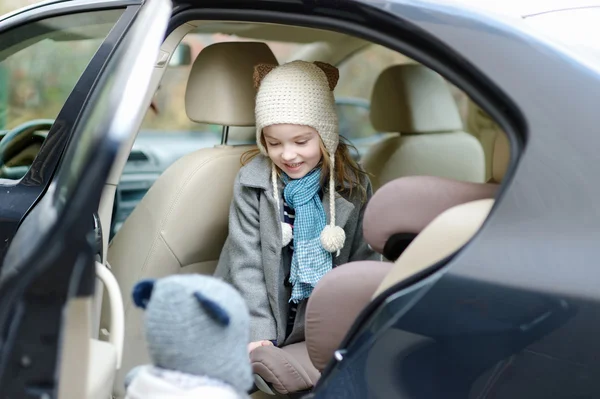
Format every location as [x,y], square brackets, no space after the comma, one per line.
[11,5]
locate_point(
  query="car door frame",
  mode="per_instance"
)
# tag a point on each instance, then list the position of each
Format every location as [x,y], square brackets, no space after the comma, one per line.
[21,195]
[52,259]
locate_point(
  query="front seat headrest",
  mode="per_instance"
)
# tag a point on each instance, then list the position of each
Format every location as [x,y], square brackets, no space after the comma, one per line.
[413,99]
[220,88]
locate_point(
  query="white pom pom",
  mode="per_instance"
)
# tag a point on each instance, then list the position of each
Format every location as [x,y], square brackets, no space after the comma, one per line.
[286,234]
[333,238]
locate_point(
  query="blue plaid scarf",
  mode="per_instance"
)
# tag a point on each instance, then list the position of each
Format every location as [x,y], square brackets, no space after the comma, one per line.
[310,261]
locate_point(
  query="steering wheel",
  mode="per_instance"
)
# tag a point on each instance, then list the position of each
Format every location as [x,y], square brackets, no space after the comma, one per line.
[17,139]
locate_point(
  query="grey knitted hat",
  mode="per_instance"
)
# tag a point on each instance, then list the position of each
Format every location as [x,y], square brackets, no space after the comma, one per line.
[197,325]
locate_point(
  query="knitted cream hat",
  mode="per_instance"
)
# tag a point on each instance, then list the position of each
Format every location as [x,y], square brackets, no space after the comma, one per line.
[301,93]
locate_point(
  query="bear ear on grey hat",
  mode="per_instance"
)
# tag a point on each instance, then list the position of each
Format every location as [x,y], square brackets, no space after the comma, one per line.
[142,293]
[331,72]
[213,309]
[260,71]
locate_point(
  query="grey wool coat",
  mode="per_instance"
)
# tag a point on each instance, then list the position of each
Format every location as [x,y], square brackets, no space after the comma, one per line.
[253,260]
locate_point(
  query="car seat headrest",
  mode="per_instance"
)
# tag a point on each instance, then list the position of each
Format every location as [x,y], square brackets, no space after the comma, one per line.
[413,99]
[400,209]
[220,88]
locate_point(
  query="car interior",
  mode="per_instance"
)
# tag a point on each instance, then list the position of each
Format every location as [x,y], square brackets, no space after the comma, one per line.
[435,164]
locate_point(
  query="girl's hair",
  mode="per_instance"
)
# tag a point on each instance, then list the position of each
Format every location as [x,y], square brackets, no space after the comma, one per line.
[348,174]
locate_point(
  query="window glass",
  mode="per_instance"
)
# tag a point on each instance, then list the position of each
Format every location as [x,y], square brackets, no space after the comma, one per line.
[353,114]
[38,72]
[358,74]
[360,71]
[40,63]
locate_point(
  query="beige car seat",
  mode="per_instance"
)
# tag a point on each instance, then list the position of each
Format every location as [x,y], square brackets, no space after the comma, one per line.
[416,104]
[181,224]
[482,126]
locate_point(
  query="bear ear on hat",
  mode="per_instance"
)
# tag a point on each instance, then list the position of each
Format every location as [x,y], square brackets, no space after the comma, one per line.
[142,293]
[331,72]
[213,309]
[260,71]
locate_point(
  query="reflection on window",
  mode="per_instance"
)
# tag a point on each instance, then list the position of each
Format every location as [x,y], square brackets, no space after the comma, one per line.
[41,62]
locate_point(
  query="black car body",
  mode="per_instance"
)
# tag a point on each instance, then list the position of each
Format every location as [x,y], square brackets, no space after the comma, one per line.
[522,295]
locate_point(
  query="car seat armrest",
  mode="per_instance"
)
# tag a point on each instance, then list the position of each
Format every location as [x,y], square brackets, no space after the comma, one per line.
[335,303]
[286,370]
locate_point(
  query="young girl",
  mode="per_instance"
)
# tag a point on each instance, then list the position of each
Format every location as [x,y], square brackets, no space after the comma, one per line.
[298,201]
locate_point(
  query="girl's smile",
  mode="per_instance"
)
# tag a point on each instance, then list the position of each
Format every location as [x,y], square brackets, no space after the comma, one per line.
[292,167]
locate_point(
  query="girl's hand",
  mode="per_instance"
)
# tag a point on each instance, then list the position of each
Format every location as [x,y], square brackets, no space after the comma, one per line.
[256,344]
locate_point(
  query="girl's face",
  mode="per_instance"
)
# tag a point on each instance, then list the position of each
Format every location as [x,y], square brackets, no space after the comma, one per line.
[295,149]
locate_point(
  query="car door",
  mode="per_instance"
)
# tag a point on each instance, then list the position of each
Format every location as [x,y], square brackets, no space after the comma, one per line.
[49,269]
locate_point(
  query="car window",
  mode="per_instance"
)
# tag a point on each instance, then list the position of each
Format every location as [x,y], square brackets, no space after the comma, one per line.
[358,74]
[354,122]
[40,63]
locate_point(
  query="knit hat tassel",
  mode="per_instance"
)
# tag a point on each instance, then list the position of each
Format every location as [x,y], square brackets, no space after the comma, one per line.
[332,236]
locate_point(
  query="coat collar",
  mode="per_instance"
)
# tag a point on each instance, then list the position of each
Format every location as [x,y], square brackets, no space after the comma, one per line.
[257,174]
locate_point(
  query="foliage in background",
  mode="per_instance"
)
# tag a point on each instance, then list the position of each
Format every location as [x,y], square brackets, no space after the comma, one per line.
[36,80]
[11,5]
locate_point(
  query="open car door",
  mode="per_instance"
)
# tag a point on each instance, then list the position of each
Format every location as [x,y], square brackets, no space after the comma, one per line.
[49,271]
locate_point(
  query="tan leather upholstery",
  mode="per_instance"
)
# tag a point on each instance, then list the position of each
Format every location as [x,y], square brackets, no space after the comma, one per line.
[408,204]
[415,102]
[101,373]
[76,357]
[413,99]
[482,126]
[181,223]
[501,157]
[335,303]
[212,96]
[286,369]
[445,235]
